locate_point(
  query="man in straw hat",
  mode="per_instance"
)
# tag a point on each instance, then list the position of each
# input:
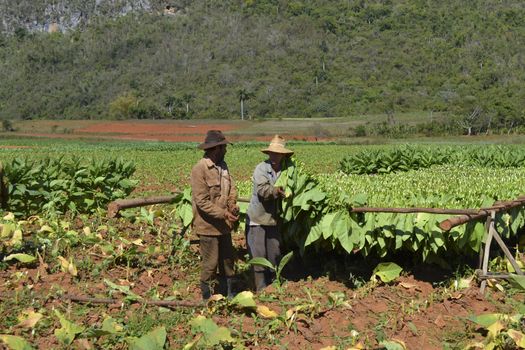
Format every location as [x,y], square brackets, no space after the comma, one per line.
[263,238]
[214,212]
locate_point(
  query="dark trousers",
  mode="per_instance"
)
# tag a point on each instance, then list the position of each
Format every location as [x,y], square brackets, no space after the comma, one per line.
[217,258]
[265,242]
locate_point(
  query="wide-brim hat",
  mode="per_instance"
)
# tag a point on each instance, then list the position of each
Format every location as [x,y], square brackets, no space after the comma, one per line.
[277,145]
[213,138]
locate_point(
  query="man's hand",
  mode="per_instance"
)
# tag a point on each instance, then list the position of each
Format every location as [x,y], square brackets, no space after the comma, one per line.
[279,192]
[229,216]
[235,210]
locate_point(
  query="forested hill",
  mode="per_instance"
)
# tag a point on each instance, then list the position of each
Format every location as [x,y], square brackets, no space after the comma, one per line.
[284,58]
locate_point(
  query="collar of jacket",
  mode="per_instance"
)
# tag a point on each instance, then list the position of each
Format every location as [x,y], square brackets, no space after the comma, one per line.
[210,163]
[270,170]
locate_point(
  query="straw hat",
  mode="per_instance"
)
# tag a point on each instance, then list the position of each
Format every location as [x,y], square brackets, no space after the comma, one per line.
[213,138]
[277,145]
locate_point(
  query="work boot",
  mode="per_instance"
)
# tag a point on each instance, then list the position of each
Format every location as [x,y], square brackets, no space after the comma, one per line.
[222,288]
[226,286]
[205,290]
[229,284]
[260,281]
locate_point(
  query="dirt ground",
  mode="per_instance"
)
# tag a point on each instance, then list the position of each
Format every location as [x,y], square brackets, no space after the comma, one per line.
[412,310]
[403,311]
[169,131]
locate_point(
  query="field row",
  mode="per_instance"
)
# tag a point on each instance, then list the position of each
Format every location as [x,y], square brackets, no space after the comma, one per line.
[163,167]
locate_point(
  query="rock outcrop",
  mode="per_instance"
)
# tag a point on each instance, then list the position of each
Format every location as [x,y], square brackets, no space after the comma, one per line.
[62,15]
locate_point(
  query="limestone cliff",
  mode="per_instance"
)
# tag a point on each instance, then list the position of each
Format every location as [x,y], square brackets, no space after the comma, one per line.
[61,15]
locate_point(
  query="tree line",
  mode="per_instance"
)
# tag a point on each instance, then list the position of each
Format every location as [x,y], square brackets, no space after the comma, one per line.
[277,58]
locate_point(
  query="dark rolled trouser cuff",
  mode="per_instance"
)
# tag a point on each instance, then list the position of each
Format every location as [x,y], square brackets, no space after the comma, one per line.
[206,290]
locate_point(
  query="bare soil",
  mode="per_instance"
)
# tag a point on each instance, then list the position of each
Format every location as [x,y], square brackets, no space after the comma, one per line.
[164,130]
[411,310]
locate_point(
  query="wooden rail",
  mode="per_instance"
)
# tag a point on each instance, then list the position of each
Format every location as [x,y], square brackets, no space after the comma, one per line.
[448,224]
[466,215]
[116,206]
[414,210]
[165,303]
[120,204]
[89,300]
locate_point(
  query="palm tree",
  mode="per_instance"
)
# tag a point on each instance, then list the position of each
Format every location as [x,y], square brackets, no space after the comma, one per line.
[244,95]
[187,98]
[170,103]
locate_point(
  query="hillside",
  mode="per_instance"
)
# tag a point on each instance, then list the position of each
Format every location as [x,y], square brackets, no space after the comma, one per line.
[463,60]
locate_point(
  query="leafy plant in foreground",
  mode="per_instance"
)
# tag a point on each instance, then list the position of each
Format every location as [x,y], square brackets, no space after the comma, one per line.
[277,269]
[386,272]
[503,331]
[15,342]
[183,208]
[208,334]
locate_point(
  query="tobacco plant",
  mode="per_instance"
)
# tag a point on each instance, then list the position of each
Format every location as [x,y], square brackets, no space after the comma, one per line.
[58,185]
[406,158]
[315,219]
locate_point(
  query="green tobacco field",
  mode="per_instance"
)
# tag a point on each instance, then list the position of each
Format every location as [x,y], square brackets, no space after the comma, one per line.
[353,281]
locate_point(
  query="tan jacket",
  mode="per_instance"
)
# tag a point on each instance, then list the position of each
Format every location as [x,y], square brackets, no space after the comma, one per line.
[213,192]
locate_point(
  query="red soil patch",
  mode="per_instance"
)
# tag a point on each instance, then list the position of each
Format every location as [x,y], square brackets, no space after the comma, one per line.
[166,137]
[160,130]
[134,128]
[410,311]
[131,137]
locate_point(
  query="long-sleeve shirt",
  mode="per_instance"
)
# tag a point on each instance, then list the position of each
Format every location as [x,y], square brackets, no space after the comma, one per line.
[263,202]
[213,191]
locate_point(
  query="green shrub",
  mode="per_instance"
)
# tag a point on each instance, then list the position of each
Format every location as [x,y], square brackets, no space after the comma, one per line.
[7,125]
[124,106]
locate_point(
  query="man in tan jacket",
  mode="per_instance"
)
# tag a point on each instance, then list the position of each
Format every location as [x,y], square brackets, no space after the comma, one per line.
[214,212]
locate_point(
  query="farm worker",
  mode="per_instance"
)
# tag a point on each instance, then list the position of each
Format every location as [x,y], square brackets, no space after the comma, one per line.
[214,201]
[263,238]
